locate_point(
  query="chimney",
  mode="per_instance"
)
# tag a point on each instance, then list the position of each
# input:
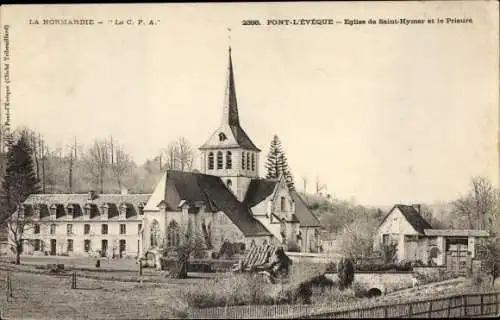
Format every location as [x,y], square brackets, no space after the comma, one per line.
[416,207]
[124,191]
[91,195]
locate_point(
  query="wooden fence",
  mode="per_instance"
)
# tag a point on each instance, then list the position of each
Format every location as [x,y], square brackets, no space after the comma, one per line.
[458,306]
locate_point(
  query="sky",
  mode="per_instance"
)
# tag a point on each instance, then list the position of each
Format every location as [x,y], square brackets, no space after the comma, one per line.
[382,114]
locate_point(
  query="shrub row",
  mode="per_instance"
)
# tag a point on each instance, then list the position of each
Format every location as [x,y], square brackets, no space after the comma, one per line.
[400,267]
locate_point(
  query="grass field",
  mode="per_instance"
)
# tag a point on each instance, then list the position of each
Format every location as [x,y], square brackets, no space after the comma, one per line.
[38,296]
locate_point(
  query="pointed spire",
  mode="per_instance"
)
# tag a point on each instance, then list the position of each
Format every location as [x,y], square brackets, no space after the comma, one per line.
[230,114]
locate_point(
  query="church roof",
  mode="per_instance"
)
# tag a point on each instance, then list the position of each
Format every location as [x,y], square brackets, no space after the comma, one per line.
[260,189]
[210,190]
[231,118]
[304,214]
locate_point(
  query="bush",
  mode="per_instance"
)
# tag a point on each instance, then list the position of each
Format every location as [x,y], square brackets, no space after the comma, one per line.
[345,273]
[240,289]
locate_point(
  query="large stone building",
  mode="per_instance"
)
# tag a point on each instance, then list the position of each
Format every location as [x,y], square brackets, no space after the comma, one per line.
[226,201]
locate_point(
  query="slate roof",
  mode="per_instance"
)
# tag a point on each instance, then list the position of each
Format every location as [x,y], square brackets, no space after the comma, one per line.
[258,190]
[303,213]
[79,201]
[414,218]
[210,190]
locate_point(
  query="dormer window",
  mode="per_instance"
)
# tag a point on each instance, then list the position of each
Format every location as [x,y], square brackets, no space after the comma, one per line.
[229,183]
[123,209]
[37,211]
[53,209]
[141,208]
[222,136]
[105,210]
[86,209]
[70,210]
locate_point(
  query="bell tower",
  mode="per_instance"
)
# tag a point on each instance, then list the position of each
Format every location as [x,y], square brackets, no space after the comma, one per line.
[229,153]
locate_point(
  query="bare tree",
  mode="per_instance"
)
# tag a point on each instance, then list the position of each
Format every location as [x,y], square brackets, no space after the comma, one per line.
[356,239]
[97,162]
[179,155]
[479,205]
[120,165]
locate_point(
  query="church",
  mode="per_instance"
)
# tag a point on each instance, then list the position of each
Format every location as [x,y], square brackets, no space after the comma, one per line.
[227,200]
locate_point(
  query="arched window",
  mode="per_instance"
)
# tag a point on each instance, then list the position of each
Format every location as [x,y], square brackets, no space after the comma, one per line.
[243,160]
[253,161]
[219,160]
[211,161]
[229,161]
[248,160]
[222,136]
[155,233]
[229,183]
[173,236]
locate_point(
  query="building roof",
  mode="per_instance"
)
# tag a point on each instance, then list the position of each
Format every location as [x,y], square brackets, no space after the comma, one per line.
[231,117]
[413,217]
[456,232]
[213,193]
[304,214]
[78,201]
[258,190]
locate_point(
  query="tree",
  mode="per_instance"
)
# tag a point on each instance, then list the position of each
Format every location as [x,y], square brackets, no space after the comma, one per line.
[97,162]
[345,273]
[179,155]
[120,165]
[389,251]
[19,182]
[476,210]
[356,239]
[277,163]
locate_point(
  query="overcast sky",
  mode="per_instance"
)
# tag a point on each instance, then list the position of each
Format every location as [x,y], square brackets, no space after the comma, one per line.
[381,113]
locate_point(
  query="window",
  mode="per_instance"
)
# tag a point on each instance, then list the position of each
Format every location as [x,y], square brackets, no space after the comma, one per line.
[141,209]
[70,245]
[52,229]
[123,228]
[211,161]
[253,161]
[155,233]
[229,183]
[69,229]
[173,236]
[104,229]
[433,253]
[229,162]
[86,229]
[222,136]
[282,204]
[139,227]
[36,247]
[219,160]
[243,160]
[70,210]
[36,229]
[385,239]
[248,160]
[86,245]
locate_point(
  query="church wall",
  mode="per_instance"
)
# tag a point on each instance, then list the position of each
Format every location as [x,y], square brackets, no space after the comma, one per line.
[224,229]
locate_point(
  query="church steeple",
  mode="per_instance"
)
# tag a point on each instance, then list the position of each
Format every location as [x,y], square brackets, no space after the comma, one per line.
[230,111]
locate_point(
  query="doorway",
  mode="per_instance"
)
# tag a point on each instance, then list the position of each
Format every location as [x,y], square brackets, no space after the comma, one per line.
[457,254]
[104,248]
[122,248]
[53,247]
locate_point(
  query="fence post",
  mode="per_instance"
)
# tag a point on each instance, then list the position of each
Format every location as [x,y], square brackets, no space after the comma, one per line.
[410,310]
[73,280]
[496,303]
[448,312]
[429,311]
[386,312]
[465,305]
[482,305]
